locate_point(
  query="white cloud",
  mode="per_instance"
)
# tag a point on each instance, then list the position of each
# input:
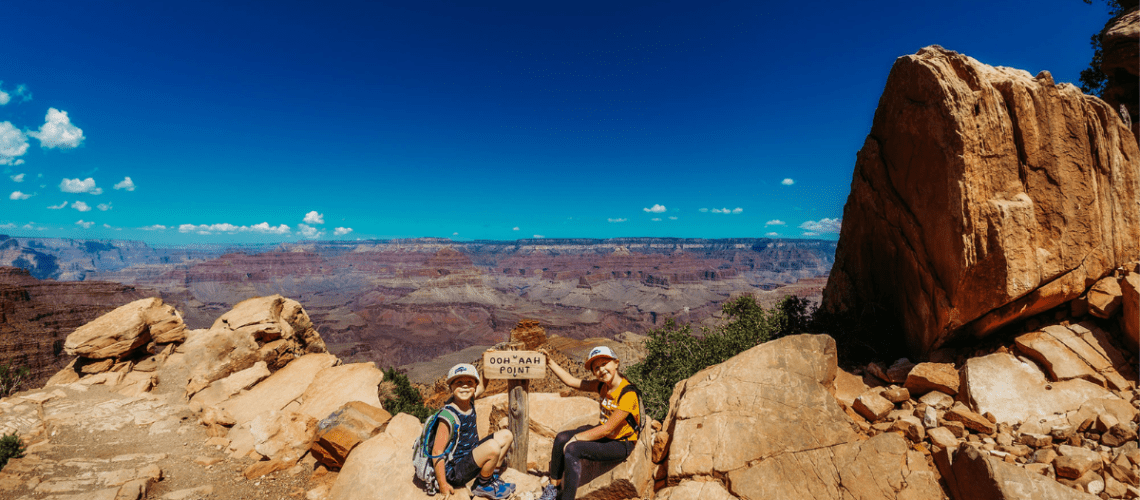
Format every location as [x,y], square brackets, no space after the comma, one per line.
[13,144]
[809,233]
[341,231]
[516,228]
[775,222]
[672,217]
[263,228]
[655,209]
[126,184]
[108,226]
[80,206]
[86,225]
[58,132]
[656,219]
[704,210]
[455,233]
[16,195]
[22,91]
[617,220]
[314,218]
[17,177]
[539,236]
[103,206]
[79,186]
[822,226]
[787,182]
[308,231]
[156,227]
[10,225]
[773,234]
[4,98]
[57,207]
[736,210]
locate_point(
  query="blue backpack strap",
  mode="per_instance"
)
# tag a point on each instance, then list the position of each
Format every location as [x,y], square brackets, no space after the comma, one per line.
[452,420]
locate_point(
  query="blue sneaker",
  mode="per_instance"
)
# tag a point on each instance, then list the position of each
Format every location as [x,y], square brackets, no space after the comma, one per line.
[495,488]
[550,492]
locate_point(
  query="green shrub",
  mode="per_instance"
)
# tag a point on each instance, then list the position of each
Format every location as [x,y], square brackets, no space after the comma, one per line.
[405,398]
[674,353]
[10,447]
[11,380]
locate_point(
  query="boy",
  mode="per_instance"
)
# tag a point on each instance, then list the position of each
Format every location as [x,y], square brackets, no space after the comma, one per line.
[473,458]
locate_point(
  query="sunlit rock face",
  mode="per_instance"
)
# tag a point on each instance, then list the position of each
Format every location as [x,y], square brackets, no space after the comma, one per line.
[982,195]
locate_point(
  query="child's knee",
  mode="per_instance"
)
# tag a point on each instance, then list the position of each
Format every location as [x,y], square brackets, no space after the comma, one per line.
[504,436]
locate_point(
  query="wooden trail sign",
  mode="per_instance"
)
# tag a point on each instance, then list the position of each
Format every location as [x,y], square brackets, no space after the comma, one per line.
[514,365]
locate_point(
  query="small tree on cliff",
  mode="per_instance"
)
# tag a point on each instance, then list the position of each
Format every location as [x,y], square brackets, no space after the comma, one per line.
[11,379]
[1092,78]
[403,398]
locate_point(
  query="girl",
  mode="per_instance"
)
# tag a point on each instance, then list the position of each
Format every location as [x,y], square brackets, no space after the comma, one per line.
[473,458]
[613,440]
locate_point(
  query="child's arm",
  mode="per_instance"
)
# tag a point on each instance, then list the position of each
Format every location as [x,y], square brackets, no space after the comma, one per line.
[442,436]
[600,431]
[482,387]
[564,375]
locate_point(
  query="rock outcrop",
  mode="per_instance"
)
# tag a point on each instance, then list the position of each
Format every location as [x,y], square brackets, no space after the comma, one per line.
[982,195]
[1120,62]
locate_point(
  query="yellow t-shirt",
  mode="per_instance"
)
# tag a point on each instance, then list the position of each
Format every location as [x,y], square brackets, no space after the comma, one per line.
[627,403]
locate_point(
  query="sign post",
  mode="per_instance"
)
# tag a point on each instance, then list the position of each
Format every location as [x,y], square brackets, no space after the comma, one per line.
[517,367]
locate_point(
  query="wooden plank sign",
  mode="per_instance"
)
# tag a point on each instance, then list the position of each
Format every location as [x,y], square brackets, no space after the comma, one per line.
[514,365]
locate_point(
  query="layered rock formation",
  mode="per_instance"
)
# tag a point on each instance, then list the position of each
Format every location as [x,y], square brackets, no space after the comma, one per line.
[982,196]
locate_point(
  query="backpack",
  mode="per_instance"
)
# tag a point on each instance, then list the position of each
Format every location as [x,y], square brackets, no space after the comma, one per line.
[637,424]
[422,459]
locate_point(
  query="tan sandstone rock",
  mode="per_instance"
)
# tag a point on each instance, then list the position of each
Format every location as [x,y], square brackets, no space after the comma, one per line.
[346,428]
[1014,390]
[976,474]
[120,331]
[1119,55]
[381,467]
[872,405]
[335,386]
[973,204]
[926,377]
[283,435]
[280,389]
[696,490]
[717,408]
[1130,313]
[1105,297]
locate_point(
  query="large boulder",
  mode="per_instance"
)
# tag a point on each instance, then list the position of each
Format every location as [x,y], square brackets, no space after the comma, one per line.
[1014,390]
[332,387]
[630,478]
[280,389]
[272,329]
[768,401]
[1130,317]
[346,428]
[125,329]
[381,467]
[982,196]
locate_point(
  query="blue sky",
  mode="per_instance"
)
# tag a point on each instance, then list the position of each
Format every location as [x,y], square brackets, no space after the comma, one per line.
[285,121]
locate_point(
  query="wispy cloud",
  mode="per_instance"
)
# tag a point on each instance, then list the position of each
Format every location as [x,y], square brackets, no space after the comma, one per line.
[341,231]
[22,92]
[17,177]
[16,195]
[156,227]
[672,217]
[773,234]
[263,228]
[57,207]
[656,219]
[736,210]
[80,186]
[85,224]
[13,144]
[4,97]
[539,236]
[80,206]
[516,228]
[58,132]
[103,207]
[810,233]
[314,218]
[822,226]
[775,222]
[655,209]
[703,210]
[108,226]
[787,182]
[617,220]
[126,184]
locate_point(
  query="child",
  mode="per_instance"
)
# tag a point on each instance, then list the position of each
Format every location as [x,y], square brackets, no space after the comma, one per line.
[614,439]
[473,458]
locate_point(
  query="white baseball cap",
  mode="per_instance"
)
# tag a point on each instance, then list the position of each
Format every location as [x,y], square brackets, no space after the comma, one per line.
[599,352]
[463,370]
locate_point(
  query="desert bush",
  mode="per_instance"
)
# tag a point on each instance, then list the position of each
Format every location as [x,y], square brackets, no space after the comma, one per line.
[10,447]
[11,379]
[675,353]
[403,398]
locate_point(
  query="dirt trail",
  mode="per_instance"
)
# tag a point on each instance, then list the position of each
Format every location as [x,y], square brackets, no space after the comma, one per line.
[90,443]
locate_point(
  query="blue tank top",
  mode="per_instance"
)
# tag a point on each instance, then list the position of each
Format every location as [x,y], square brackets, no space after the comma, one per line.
[468,432]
